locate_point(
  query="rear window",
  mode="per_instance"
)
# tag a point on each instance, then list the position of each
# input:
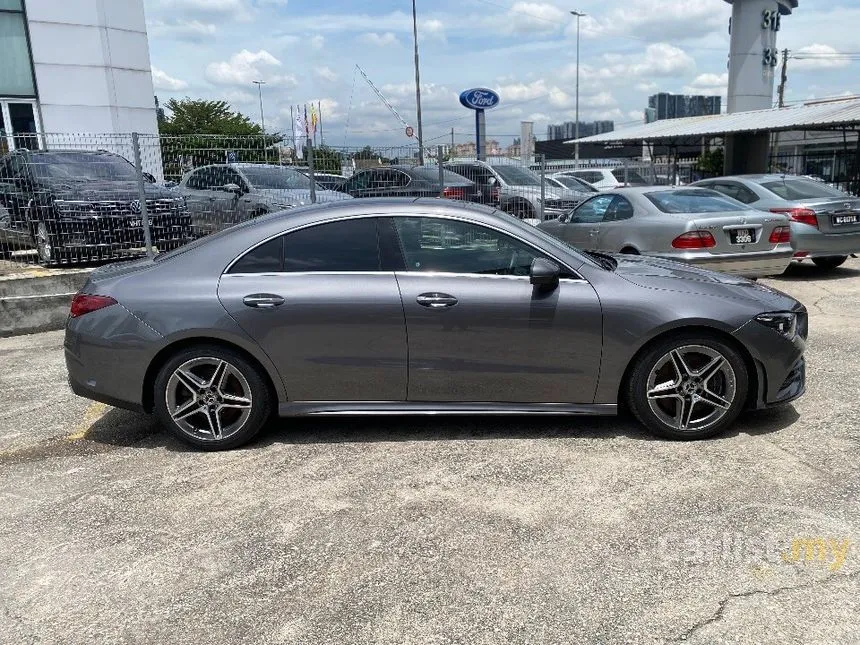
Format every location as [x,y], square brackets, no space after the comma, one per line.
[431,174]
[793,189]
[633,177]
[694,201]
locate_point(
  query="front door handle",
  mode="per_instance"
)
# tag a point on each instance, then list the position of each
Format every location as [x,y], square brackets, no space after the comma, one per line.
[594,231]
[436,300]
[263,300]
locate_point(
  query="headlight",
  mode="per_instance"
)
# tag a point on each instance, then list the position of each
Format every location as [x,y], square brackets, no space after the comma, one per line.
[784,323]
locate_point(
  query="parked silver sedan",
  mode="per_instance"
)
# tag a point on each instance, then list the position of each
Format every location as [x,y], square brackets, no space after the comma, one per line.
[825,222]
[691,225]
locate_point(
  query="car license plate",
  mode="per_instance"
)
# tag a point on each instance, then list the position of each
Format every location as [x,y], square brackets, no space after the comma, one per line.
[137,223]
[741,236]
[840,220]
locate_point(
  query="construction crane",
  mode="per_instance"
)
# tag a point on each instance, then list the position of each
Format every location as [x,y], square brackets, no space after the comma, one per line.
[409,130]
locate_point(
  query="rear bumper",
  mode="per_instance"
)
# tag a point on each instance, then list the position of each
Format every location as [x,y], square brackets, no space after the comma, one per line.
[810,240]
[750,265]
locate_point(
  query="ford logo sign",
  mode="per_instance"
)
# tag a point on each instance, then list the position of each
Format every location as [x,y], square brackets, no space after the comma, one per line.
[479,98]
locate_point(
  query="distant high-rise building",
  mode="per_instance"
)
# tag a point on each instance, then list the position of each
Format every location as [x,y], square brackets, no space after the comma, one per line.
[567,130]
[675,106]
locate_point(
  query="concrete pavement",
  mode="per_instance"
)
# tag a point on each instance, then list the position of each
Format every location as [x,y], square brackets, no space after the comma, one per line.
[516,530]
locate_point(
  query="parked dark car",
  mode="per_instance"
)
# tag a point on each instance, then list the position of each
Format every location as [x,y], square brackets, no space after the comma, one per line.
[77,206]
[327,180]
[408,181]
[489,190]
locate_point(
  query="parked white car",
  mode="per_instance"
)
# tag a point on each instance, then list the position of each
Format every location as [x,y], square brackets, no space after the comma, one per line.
[608,178]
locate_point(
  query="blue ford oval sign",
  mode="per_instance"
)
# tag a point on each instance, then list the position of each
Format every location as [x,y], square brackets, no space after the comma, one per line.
[479,98]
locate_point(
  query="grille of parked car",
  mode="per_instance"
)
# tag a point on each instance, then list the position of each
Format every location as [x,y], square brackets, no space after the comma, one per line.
[120,208]
[561,204]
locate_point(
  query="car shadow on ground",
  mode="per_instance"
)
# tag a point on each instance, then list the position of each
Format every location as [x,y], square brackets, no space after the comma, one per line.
[801,271]
[120,429]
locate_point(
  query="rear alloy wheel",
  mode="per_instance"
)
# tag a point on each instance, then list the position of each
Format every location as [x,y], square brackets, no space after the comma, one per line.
[211,397]
[690,387]
[830,262]
[45,244]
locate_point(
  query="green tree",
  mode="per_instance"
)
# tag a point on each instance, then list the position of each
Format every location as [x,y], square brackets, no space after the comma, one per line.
[197,132]
[710,163]
[327,159]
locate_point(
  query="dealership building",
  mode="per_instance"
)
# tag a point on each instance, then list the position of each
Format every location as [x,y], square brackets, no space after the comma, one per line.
[73,66]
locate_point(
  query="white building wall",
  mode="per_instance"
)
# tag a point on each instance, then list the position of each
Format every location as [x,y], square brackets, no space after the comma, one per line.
[91,59]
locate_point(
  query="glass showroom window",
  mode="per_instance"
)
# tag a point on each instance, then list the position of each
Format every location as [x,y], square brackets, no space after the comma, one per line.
[19,116]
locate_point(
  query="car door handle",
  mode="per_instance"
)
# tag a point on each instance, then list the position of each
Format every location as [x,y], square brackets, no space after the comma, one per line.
[436,300]
[594,231]
[263,300]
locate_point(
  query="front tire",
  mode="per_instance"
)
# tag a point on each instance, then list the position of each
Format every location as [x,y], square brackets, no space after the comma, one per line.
[691,386]
[46,243]
[211,397]
[830,262]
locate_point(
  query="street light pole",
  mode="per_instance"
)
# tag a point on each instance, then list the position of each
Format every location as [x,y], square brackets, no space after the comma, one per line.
[417,87]
[578,15]
[259,85]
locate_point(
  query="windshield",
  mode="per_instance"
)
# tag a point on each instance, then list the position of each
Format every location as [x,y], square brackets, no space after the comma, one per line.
[517,176]
[431,174]
[633,177]
[793,189]
[87,166]
[694,201]
[265,177]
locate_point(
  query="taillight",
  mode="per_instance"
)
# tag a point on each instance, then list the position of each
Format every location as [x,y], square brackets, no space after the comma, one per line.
[801,215]
[454,193]
[780,235]
[84,303]
[694,240]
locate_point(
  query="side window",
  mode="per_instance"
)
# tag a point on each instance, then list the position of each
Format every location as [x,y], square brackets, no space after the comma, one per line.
[207,178]
[266,258]
[726,189]
[619,209]
[18,166]
[195,181]
[399,178]
[349,245]
[450,246]
[230,176]
[592,210]
[359,181]
[746,195]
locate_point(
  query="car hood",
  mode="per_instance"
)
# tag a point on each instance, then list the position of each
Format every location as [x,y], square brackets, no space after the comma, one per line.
[667,275]
[298,197]
[102,190]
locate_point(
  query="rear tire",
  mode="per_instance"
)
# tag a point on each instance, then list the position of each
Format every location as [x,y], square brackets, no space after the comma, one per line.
[830,262]
[45,241]
[629,250]
[695,397]
[521,209]
[211,397]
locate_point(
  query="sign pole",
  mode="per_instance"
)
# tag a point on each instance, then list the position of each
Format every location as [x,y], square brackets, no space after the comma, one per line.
[480,99]
[481,134]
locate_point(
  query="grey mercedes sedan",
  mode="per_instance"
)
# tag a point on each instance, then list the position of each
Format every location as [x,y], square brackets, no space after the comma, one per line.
[424,306]
[692,225]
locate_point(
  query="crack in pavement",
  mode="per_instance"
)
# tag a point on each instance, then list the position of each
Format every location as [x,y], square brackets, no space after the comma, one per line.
[717,615]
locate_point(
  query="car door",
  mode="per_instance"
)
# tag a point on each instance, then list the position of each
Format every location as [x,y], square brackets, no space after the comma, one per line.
[318,304]
[614,230]
[581,226]
[238,206]
[479,331]
[208,205]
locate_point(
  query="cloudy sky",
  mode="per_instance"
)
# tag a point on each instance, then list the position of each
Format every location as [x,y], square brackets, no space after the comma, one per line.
[306,51]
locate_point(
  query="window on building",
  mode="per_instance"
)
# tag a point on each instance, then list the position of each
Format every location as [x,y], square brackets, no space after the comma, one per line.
[16,72]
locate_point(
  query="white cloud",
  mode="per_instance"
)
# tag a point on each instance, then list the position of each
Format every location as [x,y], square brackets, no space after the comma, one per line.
[646,86]
[535,17]
[162,81]
[431,29]
[186,30]
[379,40]
[820,57]
[659,59]
[238,96]
[247,66]
[317,43]
[220,10]
[709,85]
[272,3]
[656,19]
[326,73]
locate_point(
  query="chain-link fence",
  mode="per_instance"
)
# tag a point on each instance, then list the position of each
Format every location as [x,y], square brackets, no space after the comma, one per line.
[83,199]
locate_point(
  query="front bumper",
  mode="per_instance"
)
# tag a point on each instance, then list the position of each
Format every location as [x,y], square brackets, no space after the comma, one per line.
[779,362]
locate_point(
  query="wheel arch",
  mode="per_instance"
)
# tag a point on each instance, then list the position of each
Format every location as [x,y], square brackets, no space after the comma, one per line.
[755,373]
[163,355]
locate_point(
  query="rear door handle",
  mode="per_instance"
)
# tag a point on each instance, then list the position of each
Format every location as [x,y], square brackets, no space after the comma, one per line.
[436,300]
[263,300]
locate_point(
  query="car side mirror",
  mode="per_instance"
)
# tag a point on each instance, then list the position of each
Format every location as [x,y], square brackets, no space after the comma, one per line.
[149,177]
[544,273]
[491,181]
[236,189]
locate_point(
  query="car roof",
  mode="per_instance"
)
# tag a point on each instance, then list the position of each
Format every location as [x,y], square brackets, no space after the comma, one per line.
[761,177]
[642,190]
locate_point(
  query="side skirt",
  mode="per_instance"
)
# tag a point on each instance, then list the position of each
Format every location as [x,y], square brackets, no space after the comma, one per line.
[357,408]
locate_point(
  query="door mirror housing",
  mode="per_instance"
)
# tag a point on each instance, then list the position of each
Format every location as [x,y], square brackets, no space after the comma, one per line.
[236,189]
[491,181]
[544,273]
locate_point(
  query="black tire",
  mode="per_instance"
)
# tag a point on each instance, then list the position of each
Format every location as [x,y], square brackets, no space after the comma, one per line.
[667,402]
[830,262]
[522,209]
[200,362]
[629,250]
[45,241]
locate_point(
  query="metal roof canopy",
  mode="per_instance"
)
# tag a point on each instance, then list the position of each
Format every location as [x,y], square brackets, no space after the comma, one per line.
[837,114]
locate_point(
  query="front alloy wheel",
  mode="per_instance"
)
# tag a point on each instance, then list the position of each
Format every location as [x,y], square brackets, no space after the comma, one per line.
[211,397]
[689,389]
[44,243]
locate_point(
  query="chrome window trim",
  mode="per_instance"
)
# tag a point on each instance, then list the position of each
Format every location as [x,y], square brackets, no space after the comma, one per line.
[459,218]
[429,274]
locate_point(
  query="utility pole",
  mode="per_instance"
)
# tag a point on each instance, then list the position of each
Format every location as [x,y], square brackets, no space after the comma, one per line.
[578,15]
[452,141]
[259,85]
[417,87]
[783,78]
